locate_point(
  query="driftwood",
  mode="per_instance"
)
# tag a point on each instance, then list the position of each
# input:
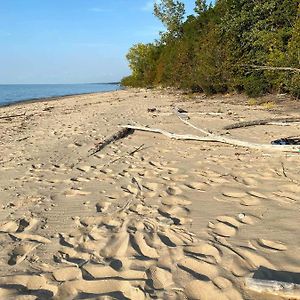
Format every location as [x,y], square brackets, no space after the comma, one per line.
[124,132]
[273,287]
[269,68]
[262,122]
[12,116]
[217,138]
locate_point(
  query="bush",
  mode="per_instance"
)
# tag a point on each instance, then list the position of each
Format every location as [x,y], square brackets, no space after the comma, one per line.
[255,85]
[295,85]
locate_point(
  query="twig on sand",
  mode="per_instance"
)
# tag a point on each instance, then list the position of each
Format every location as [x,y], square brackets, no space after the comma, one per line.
[141,147]
[262,122]
[137,149]
[12,116]
[116,136]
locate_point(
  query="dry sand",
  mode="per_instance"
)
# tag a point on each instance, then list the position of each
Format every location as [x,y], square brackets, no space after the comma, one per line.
[174,220]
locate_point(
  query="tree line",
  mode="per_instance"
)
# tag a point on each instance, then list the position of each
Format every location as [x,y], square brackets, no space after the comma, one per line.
[234,45]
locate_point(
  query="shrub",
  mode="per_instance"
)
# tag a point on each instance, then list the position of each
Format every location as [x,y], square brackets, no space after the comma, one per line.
[255,85]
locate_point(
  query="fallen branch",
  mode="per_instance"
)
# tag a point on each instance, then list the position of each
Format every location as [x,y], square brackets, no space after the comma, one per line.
[194,113]
[125,155]
[137,149]
[262,122]
[269,68]
[117,136]
[12,116]
[216,138]
[283,124]
[277,288]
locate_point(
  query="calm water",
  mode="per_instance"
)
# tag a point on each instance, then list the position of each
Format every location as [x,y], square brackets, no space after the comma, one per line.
[11,93]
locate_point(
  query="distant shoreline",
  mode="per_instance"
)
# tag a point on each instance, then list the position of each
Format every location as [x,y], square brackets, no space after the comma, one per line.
[53,98]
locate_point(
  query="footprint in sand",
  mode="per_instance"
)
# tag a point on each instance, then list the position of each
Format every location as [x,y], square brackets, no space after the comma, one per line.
[102,206]
[21,252]
[9,226]
[160,279]
[234,193]
[31,283]
[179,177]
[257,194]
[80,179]
[225,226]
[151,186]
[76,192]
[176,213]
[250,201]
[84,169]
[67,274]
[176,201]
[278,246]
[246,219]
[198,268]
[173,190]
[203,290]
[205,251]
[200,186]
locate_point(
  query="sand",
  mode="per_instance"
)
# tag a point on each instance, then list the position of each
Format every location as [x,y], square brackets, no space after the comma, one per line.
[174,220]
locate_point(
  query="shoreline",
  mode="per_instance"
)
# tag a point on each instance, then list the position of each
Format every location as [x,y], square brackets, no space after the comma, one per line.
[147,216]
[52,98]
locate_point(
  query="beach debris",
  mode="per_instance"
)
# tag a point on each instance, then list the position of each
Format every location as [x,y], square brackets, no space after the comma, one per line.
[286,290]
[287,141]
[218,139]
[48,108]
[211,137]
[120,134]
[262,122]
[12,116]
[152,110]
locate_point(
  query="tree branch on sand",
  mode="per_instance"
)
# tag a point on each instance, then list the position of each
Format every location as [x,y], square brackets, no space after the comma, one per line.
[116,136]
[269,68]
[262,122]
[278,288]
[210,137]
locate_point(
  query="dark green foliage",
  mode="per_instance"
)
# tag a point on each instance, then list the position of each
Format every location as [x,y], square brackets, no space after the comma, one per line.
[214,50]
[255,85]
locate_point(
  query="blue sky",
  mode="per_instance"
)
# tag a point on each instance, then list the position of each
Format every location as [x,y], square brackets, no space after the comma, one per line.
[72,41]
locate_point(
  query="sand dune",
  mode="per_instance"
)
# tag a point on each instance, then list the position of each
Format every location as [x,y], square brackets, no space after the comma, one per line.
[174,220]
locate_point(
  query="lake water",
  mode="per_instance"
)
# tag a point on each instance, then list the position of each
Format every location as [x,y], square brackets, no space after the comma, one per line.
[12,93]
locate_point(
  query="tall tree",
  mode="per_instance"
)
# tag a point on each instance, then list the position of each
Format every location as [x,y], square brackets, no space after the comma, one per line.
[171,14]
[200,7]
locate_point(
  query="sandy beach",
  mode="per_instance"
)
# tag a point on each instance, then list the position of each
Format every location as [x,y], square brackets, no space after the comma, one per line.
[147,217]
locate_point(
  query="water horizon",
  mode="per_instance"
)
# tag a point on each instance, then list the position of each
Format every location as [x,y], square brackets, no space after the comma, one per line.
[13,93]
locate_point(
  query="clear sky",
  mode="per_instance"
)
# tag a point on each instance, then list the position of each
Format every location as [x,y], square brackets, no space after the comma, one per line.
[72,41]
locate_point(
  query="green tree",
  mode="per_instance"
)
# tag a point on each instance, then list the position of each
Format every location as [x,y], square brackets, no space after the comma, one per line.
[258,33]
[171,14]
[215,49]
[200,7]
[142,61]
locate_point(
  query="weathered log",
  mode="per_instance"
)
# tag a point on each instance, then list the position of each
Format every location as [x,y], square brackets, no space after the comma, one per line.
[270,68]
[273,287]
[216,138]
[124,132]
[262,122]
